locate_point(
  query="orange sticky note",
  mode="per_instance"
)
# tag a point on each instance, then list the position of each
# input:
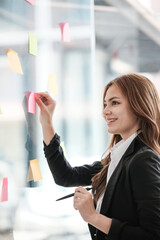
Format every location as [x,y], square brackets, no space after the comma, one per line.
[14,61]
[65,32]
[30,1]
[34,172]
[4,192]
[64,149]
[52,85]
[31,101]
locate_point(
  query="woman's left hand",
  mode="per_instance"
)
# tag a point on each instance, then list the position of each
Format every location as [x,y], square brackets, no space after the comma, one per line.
[83,202]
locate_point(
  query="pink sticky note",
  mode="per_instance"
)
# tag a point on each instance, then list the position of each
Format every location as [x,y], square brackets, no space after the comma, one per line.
[30,1]
[31,101]
[4,193]
[65,32]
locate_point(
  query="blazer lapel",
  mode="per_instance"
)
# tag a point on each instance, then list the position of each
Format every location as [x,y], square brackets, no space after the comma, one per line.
[114,178]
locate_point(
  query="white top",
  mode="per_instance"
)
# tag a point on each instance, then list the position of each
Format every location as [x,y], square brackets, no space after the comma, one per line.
[117,151]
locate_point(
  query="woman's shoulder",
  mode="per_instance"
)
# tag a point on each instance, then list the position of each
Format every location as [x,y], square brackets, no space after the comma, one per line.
[142,149]
[144,155]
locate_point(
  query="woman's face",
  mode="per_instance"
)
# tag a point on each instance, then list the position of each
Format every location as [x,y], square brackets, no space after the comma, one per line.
[117,113]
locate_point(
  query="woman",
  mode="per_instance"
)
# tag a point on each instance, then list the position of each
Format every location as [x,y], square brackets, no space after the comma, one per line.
[126,184]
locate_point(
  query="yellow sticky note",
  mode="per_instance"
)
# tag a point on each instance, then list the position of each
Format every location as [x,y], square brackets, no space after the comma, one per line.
[52,85]
[33,49]
[64,149]
[0,111]
[34,172]
[14,61]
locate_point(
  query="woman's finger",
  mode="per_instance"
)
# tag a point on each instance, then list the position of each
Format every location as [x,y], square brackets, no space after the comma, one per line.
[81,190]
[79,195]
[40,103]
[76,202]
[46,95]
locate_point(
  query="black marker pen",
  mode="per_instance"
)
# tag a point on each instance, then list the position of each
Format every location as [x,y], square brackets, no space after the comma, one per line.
[72,194]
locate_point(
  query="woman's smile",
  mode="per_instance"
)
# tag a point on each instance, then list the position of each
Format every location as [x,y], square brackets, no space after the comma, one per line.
[110,121]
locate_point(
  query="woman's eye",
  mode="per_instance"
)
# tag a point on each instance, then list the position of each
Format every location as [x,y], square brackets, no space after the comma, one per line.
[115,103]
[105,105]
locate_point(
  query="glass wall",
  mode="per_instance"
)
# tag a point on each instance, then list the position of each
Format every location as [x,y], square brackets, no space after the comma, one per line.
[31,210]
[108,38]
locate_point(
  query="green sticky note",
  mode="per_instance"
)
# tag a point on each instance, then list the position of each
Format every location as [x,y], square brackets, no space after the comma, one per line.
[33,44]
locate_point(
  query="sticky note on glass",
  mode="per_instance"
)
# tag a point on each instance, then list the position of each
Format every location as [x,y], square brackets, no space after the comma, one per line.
[14,61]
[33,49]
[31,101]
[64,149]
[65,32]
[4,191]
[34,172]
[0,111]
[52,85]
[30,1]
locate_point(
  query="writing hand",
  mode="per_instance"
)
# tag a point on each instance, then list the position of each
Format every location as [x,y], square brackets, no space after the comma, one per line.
[83,202]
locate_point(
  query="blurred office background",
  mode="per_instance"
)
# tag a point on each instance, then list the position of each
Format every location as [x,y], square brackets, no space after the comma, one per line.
[108,38]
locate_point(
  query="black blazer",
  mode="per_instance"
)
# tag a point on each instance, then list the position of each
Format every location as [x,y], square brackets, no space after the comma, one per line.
[132,196]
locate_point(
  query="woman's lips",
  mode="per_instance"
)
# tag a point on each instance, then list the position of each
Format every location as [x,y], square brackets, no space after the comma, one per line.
[111,120]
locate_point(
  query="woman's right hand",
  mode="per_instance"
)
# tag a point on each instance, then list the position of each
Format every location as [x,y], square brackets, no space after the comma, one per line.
[47,106]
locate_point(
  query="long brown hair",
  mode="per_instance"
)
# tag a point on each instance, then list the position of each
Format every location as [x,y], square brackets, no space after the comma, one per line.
[144,101]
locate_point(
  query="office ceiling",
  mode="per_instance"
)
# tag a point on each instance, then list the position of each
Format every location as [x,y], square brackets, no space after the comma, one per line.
[123,29]
[127,33]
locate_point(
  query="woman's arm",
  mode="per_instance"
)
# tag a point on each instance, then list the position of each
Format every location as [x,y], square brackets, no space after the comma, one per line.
[63,173]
